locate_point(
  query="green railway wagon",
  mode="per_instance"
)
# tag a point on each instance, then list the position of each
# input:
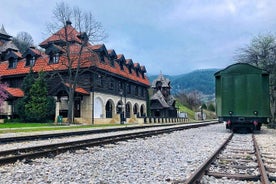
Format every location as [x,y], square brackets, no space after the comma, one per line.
[242,96]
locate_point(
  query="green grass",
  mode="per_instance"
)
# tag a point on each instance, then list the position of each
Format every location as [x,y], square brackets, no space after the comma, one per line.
[182,108]
[33,127]
[210,114]
[24,125]
[191,113]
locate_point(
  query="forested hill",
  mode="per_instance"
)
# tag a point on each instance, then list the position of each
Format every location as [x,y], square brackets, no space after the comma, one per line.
[200,80]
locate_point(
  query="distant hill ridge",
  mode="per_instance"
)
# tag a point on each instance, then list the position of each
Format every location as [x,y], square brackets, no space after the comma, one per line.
[201,80]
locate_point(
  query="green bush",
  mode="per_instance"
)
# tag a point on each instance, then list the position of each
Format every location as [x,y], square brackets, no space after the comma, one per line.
[211,107]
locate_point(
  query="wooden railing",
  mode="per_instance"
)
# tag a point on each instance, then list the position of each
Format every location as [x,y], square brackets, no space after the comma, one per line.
[164,120]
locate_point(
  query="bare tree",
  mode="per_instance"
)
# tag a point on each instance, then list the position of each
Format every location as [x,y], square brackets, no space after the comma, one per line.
[83,22]
[261,52]
[194,99]
[74,53]
[23,41]
[191,99]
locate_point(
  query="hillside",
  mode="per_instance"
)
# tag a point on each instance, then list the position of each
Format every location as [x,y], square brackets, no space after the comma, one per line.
[200,80]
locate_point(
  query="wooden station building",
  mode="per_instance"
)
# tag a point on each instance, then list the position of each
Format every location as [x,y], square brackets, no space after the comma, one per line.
[109,85]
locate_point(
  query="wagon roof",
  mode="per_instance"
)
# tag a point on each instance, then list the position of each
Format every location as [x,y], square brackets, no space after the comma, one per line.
[238,68]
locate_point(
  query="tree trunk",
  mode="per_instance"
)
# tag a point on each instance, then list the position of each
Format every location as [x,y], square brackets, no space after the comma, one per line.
[70,116]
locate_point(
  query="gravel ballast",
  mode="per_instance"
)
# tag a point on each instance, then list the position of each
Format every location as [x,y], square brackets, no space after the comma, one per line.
[158,159]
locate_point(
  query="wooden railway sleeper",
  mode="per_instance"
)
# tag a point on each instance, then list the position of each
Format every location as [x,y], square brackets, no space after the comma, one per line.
[234,176]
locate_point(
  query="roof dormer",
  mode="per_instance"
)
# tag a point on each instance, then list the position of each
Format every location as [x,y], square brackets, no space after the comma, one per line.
[129,64]
[32,51]
[31,55]
[12,62]
[12,53]
[121,61]
[101,51]
[143,71]
[53,48]
[54,52]
[112,56]
[137,69]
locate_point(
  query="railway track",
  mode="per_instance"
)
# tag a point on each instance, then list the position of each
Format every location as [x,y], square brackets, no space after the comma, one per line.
[50,150]
[238,159]
[5,140]
[268,153]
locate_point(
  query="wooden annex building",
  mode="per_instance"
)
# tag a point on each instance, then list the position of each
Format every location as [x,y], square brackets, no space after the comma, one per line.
[109,85]
[162,103]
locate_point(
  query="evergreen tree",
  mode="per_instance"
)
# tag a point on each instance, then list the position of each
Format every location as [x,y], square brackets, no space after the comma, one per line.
[26,86]
[28,82]
[204,106]
[211,107]
[36,107]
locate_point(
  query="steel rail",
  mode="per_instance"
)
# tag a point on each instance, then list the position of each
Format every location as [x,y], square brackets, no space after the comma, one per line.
[5,140]
[264,177]
[10,156]
[74,133]
[197,175]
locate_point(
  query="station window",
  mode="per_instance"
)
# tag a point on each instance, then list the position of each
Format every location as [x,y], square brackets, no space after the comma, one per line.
[143,75]
[54,58]
[136,90]
[12,62]
[99,80]
[128,88]
[30,60]
[102,57]
[129,69]
[137,73]
[121,65]
[111,85]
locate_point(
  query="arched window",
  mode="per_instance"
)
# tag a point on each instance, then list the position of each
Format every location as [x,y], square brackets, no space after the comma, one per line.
[108,109]
[98,108]
[135,109]
[127,110]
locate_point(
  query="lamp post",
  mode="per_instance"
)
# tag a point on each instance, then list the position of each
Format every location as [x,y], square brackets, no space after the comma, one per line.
[121,111]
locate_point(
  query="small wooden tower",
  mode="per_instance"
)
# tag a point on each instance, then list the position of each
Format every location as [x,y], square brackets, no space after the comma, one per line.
[162,103]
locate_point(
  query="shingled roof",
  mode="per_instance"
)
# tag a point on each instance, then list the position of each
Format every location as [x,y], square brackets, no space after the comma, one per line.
[60,36]
[14,92]
[3,33]
[161,99]
[8,45]
[89,57]
[164,81]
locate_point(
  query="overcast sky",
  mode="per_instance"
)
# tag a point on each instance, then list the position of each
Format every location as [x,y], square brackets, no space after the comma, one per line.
[168,36]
